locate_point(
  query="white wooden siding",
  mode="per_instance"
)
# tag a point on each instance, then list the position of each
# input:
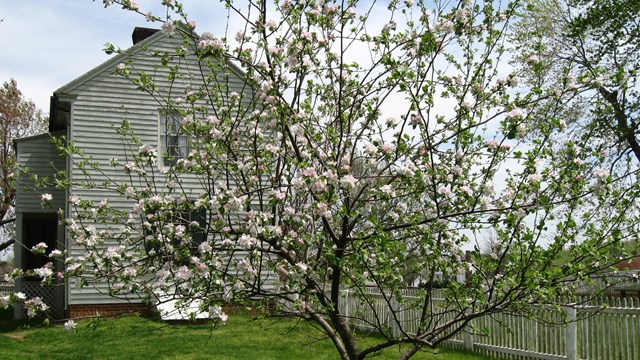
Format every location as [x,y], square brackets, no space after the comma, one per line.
[102,101]
[40,157]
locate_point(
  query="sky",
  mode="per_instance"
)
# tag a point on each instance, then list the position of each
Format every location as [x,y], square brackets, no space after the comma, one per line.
[48,43]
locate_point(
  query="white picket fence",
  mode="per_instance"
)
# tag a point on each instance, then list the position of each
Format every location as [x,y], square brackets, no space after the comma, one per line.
[608,329]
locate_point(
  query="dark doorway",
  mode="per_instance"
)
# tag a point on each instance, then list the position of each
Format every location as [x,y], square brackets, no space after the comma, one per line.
[37,228]
[36,231]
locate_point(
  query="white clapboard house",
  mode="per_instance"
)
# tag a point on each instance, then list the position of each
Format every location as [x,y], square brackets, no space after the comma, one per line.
[87,111]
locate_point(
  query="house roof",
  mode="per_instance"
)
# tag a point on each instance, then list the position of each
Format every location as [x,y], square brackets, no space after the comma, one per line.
[153,36]
[109,64]
[38,136]
[35,137]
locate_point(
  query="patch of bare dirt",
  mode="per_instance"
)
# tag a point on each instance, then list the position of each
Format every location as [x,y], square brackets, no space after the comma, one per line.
[19,335]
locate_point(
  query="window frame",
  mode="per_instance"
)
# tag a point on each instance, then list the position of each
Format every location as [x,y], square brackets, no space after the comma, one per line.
[172,144]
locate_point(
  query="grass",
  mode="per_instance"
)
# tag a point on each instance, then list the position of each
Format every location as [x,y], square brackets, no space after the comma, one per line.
[135,338]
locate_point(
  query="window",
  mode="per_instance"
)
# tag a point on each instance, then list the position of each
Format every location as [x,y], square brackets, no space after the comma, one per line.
[189,219]
[173,144]
[195,222]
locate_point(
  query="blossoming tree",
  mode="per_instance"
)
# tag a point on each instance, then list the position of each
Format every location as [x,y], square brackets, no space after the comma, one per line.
[372,143]
[19,117]
[589,47]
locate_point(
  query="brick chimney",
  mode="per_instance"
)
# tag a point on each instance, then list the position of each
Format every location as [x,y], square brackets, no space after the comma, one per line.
[140,33]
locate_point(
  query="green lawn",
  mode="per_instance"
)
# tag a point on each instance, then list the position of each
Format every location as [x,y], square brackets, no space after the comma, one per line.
[138,338]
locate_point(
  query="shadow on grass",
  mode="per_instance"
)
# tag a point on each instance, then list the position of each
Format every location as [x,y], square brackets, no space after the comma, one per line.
[8,324]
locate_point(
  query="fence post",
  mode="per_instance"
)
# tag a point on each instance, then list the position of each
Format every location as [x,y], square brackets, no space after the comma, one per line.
[347,305]
[572,333]
[395,327]
[467,335]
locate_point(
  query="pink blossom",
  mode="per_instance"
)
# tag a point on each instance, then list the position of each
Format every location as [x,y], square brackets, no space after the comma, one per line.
[39,248]
[322,209]
[391,25]
[508,193]
[445,191]
[485,202]
[215,312]
[309,172]
[70,325]
[43,272]
[515,113]
[205,248]
[349,181]
[302,266]
[246,241]
[74,199]
[330,8]
[35,306]
[319,186]
[245,265]
[444,26]
[129,166]
[4,301]
[601,174]
[493,143]
[534,59]
[278,195]
[387,148]
[488,188]
[169,28]
[307,35]
[275,50]
[534,178]
[369,148]
[387,189]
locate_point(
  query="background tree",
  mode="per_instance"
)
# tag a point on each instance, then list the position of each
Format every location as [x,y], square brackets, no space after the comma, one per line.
[19,117]
[367,141]
[592,46]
